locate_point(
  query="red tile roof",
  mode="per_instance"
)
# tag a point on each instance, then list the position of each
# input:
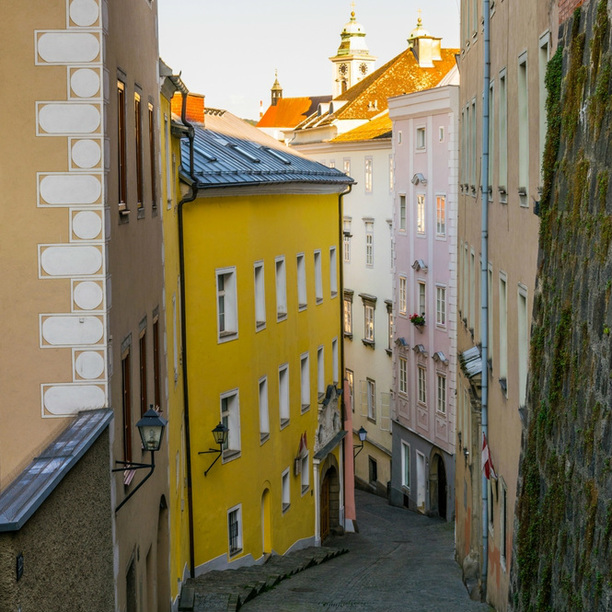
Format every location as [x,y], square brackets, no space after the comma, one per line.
[290,111]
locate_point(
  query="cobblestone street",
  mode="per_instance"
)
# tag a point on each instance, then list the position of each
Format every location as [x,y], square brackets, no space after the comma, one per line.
[399,561]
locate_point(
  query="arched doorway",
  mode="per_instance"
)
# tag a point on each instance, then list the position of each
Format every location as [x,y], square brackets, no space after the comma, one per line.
[266,523]
[438,485]
[330,501]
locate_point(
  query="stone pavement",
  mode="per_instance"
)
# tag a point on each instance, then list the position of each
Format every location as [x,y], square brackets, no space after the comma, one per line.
[400,561]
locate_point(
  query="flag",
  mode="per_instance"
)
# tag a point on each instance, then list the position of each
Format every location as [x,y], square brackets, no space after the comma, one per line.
[487,461]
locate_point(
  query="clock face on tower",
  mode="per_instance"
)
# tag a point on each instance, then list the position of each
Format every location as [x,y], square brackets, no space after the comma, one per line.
[363,68]
[343,69]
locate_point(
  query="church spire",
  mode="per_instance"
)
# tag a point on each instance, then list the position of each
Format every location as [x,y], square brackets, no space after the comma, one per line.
[276,93]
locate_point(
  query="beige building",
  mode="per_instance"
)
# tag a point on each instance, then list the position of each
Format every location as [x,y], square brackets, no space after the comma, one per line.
[82,306]
[523,37]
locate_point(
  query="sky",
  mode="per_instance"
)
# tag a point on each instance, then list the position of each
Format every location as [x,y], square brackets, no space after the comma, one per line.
[229,50]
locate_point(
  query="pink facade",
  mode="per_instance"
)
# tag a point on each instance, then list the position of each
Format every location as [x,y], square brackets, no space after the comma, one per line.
[424,301]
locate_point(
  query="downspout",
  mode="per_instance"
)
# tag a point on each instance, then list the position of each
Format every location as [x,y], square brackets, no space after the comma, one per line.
[190,197]
[484,294]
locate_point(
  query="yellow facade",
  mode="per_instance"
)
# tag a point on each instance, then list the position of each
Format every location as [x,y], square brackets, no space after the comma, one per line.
[233,234]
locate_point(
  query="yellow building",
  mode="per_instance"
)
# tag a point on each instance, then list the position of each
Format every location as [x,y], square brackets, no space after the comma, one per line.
[260,240]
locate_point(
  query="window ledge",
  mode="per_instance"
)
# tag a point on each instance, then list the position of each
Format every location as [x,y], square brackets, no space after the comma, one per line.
[334,294]
[284,423]
[286,507]
[259,325]
[230,454]
[372,420]
[320,397]
[281,316]
[234,552]
[319,300]
[389,352]
[302,306]
[227,334]
[348,336]
[264,437]
[305,408]
[369,343]
[141,212]
[305,489]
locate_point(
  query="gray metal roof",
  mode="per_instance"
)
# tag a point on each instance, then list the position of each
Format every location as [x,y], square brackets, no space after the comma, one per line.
[229,152]
[20,500]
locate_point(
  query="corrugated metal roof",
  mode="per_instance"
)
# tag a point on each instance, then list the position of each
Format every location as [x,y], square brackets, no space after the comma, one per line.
[230,152]
[20,500]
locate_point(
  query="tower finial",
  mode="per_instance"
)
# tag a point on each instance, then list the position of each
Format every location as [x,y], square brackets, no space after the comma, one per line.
[353,9]
[419,20]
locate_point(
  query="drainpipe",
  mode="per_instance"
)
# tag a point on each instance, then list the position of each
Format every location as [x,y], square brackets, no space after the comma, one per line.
[484,294]
[190,197]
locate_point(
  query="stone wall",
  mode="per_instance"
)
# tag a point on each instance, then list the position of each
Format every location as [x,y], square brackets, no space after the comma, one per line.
[563,538]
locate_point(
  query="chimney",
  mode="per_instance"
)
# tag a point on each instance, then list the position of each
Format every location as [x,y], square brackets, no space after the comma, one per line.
[195,107]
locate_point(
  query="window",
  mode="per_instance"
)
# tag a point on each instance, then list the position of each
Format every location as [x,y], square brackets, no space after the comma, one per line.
[473,149]
[371,399]
[301,281]
[399,137]
[368,322]
[523,131]
[420,138]
[422,385]
[472,313]
[369,234]
[421,213]
[318,277]
[142,349]
[152,156]
[503,519]
[523,344]
[305,381]
[127,404]
[281,289]
[234,530]
[264,417]
[405,465]
[169,177]
[403,296]
[503,136]
[490,308]
[348,314]
[346,166]
[422,297]
[332,163]
[490,505]
[156,366]
[335,360]
[440,134]
[227,313]
[305,472]
[347,240]
[122,150]
[441,399]
[260,296]
[283,395]
[333,272]
[174,338]
[440,216]
[368,174]
[441,306]
[389,305]
[372,470]
[503,333]
[402,213]
[138,139]
[230,417]
[466,279]
[403,375]
[285,491]
[321,371]
[491,135]
[350,379]
[391,174]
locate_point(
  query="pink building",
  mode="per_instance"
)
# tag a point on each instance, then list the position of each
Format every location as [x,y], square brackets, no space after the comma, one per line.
[425,148]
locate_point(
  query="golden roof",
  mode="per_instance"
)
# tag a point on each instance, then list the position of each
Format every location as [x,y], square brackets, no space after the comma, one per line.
[380,127]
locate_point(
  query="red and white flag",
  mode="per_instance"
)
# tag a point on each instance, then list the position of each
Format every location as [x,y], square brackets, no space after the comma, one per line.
[487,462]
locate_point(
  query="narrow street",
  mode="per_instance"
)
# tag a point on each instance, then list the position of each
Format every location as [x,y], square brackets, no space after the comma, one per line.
[399,561]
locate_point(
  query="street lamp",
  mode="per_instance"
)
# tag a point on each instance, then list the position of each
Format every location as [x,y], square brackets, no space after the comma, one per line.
[220,433]
[151,429]
[363,434]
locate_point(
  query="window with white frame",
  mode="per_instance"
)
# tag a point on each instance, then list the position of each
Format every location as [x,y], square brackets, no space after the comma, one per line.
[335,360]
[264,416]
[491,136]
[420,213]
[350,379]
[348,314]
[260,296]
[281,289]
[391,174]
[422,385]
[285,491]
[230,417]
[346,166]
[399,137]
[389,305]
[503,332]
[502,169]
[305,472]
[234,530]
[305,381]
[491,314]
[333,272]
[403,295]
[440,216]
[369,236]
[283,394]
[301,281]
[405,465]
[227,304]
[440,305]
[403,375]
[523,130]
[420,138]
[347,240]
[321,371]
[318,277]
[371,399]
[368,321]
[402,213]
[523,343]
[368,168]
[474,150]
[503,519]
[422,297]
[472,311]
[441,389]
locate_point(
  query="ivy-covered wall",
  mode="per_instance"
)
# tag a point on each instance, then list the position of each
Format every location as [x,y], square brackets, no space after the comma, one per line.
[563,537]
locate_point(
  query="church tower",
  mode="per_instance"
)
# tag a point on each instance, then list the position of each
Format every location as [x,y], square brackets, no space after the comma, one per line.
[276,93]
[353,61]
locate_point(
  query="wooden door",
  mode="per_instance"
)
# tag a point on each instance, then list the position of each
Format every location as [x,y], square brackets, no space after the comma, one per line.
[325,508]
